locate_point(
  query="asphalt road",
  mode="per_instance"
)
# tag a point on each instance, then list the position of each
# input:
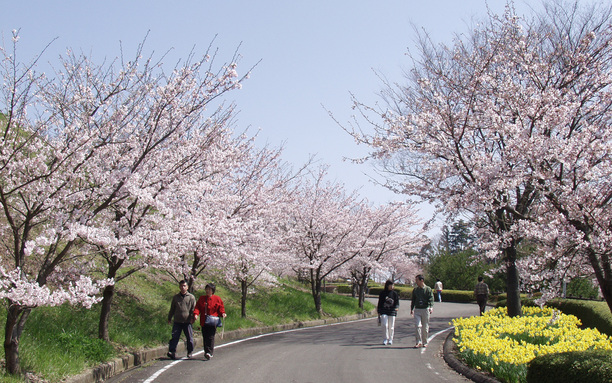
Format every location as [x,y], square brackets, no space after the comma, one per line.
[346,352]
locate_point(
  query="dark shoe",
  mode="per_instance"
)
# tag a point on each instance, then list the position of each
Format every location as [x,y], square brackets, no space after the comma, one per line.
[189,356]
[208,356]
[171,355]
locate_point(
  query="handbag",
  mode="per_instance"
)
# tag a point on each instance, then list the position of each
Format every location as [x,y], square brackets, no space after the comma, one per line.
[212,321]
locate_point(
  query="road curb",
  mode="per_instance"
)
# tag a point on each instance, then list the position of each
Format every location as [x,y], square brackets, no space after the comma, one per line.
[137,358]
[449,350]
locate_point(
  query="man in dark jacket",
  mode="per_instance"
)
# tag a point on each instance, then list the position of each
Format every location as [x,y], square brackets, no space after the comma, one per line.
[181,309]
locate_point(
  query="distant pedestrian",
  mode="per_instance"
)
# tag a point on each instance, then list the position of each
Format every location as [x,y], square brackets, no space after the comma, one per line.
[210,309]
[181,309]
[421,308]
[481,291]
[388,305]
[438,288]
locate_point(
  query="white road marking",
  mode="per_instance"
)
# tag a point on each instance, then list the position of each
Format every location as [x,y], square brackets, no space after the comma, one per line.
[435,335]
[166,368]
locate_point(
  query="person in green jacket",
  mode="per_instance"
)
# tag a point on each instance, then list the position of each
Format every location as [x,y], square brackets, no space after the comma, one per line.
[421,308]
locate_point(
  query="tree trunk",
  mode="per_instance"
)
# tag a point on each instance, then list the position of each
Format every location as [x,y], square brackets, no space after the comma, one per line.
[362,288]
[605,287]
[15,322]
[603,273]
[114,263]
[107,301]
[315,283]
[244,288]
[190,284]
[512,283]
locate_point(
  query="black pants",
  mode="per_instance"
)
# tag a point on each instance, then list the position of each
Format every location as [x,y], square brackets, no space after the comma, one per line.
[482,302]
[177,328]
[208,333]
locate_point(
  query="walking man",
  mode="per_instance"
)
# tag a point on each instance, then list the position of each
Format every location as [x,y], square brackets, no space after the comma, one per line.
[421,308]
[181,309]
[481,291]
[438,288]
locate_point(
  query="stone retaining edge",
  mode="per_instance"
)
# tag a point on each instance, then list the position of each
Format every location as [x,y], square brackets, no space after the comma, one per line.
[449,350]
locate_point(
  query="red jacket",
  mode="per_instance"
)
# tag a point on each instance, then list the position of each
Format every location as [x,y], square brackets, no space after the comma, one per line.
[208,306]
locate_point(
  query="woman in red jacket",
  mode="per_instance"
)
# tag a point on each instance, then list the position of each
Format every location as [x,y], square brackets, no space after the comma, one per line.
[210,309]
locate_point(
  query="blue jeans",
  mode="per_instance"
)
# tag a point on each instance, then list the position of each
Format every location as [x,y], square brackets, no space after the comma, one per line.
[177,329]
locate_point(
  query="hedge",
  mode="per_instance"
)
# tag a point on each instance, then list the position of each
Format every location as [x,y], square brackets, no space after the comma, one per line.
[569,367]
[593,314]
[405,292]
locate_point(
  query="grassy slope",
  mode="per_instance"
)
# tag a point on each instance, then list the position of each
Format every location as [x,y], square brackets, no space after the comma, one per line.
[62,341]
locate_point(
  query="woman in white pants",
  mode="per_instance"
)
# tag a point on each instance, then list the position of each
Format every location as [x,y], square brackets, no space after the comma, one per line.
[388,305]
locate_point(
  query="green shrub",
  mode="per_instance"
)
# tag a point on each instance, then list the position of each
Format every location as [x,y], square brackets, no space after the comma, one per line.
[593,314]
[405,292]
[582,288]
[344,289]
[459,296]
[331,289]
[570,367]
[502,301]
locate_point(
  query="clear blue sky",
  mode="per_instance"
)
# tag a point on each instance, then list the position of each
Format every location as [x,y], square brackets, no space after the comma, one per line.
[313,54]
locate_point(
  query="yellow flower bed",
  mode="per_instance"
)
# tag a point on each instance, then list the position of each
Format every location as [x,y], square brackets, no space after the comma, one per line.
[520,339]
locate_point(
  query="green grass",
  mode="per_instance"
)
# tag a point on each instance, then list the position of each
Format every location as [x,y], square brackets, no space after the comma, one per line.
[61,341]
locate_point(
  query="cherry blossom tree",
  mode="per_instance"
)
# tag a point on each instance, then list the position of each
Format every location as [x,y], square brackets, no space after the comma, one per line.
[323,229]
[234,226]
[201,221]
[568,147]
[511,125]
[437,140]
[85,158]
[141,221]
[389,237]
[263,185]
[45,193]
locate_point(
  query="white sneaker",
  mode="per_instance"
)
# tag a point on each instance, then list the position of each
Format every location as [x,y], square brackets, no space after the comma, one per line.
[385,342]
[208,356]
[390,342]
